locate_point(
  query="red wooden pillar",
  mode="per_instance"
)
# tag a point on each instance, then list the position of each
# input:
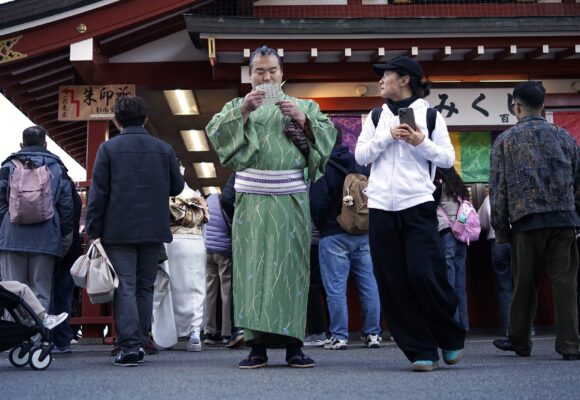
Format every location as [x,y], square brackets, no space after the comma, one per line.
[95,317]
[97,133]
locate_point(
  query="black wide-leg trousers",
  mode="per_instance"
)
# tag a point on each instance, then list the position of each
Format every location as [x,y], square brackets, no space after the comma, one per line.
[417,301]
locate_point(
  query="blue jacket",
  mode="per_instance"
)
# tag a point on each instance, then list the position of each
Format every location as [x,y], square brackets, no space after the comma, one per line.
[45,237]
[133,177]
[326,193]
[217,232]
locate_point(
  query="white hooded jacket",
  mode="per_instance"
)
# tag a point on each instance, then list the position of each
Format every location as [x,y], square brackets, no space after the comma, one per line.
[400,176]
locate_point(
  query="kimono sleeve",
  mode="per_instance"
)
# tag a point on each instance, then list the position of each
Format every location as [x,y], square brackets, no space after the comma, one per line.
[324,134]
[236,144]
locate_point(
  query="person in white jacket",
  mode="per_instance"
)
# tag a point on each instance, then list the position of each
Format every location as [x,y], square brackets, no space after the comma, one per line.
[417,300]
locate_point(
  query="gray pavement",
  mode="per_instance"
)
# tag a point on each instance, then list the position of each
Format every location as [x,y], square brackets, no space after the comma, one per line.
[357,373]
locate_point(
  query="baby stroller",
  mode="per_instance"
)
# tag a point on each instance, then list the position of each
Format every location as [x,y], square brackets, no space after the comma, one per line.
[26,335]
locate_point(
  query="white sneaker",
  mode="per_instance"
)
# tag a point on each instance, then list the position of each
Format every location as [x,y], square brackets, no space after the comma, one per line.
[372,341]
[51,321]
[315,340]
[194,343]
[336,344]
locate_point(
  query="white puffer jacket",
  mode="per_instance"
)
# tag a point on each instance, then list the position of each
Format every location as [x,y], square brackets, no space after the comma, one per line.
[400,178]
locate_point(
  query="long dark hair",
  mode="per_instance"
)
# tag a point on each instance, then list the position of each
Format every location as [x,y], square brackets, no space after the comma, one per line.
[453,186]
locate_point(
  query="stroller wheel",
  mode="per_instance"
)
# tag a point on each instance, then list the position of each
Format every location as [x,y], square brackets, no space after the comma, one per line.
[36,362]
[17,359]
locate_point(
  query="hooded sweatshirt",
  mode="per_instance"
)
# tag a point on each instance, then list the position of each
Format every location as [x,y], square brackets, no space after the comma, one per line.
[400,176]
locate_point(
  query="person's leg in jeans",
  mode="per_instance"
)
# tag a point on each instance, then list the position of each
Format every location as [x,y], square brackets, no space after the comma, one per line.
[461,282]
[501,263]
[334,268]
[362,270]
[450,246]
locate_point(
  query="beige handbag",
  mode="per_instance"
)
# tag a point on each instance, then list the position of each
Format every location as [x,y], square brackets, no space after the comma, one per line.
[102,280]
[81,266]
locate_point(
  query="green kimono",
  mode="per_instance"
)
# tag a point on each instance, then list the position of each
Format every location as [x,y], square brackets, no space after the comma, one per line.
[270,234]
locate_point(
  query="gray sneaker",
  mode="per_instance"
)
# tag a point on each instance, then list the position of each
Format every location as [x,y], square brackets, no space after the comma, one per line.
[315,340]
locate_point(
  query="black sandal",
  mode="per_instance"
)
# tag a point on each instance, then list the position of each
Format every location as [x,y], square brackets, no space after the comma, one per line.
[300,361]
[253,362]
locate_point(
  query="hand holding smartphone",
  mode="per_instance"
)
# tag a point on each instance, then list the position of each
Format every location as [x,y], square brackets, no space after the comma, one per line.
[406,116]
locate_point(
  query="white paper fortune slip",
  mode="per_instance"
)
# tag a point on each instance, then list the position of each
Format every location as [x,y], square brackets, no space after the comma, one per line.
[273,93]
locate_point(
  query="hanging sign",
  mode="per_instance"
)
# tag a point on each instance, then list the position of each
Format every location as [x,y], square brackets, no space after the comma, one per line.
[90,102]
[474,106]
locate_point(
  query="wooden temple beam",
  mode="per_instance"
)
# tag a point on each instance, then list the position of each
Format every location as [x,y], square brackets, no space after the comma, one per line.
[27,97]
[26,64]
[569,52]
[346,55]
[508,51]
[471,71]
[413,52]
[397,44]
[98,22]
[15,88]
[88,61]
[540,51]
[378,55]
[474,53]
[313,55]
[442,54]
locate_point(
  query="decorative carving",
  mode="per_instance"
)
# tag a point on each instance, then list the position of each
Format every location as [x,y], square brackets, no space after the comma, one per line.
[6,52]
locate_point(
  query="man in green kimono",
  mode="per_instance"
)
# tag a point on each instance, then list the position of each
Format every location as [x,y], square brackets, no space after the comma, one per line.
[275,147]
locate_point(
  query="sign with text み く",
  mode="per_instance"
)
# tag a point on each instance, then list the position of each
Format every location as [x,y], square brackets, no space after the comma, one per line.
[90,102]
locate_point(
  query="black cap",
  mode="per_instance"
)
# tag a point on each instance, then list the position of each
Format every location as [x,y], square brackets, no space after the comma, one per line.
[400,63]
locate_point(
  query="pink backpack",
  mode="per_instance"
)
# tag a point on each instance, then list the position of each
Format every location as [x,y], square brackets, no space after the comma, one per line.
[466,227]
[30,194]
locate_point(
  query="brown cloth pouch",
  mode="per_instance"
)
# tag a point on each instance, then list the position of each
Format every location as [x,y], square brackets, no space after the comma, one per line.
[299,136]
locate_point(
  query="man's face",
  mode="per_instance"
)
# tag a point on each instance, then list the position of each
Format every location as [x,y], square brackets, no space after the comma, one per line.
[265,69]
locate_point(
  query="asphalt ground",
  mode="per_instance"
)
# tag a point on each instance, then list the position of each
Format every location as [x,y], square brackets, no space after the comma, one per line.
[357,373]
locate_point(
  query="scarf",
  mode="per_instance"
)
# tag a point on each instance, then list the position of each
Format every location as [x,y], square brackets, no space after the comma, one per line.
[395,105]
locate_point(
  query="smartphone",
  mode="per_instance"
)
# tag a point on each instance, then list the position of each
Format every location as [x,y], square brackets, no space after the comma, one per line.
[406,116]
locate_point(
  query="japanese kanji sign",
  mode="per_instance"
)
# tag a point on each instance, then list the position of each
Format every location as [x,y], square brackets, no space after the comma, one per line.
[90,102]
[474,106]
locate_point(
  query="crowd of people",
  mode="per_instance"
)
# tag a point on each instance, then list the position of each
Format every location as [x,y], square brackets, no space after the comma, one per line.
[270,247]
